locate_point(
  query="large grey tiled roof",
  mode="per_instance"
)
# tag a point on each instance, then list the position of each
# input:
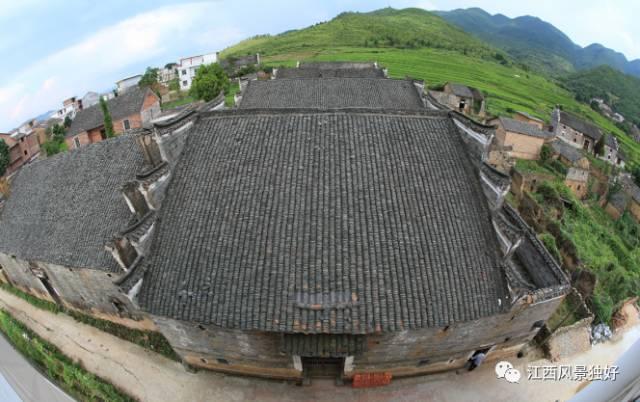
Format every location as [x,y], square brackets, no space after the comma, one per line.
[324,72]
[64,209]
[126,104]
[580,125]
[328,93]
[324,222]
[519,127]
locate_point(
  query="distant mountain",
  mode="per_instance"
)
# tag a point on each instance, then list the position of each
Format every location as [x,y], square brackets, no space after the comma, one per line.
[44,116]
[619,90]
[409,28]
[537,43]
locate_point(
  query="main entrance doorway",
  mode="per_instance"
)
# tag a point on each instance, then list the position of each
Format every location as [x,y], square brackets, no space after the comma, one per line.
[323,367]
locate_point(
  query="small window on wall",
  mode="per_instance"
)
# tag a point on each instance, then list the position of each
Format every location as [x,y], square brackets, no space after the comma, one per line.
[76,142]
[126,124]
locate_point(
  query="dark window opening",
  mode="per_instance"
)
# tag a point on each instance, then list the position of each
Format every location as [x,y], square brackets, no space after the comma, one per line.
[222,361]
[119,305]
[423,362]
[126,124]
[50,289]
[201,327]
[507,339]
[103,134]
[203,361]
[445,329]
[25,152]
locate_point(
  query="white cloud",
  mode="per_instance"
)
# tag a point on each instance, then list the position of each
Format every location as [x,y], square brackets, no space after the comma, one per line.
[96,61]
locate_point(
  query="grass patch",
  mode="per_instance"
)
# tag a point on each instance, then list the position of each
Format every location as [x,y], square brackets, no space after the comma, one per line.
[178,102]
[564,315]
[229,97]
[607,248]
[151,340]
[69,376]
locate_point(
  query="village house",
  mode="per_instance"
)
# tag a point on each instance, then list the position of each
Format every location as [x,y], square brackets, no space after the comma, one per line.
[23,148]
[168,73]
[128,111]
[188,66]
[529,119]
[464,99]
[611,151]
[188,265]
[127,83]
[519,139]
[523,181]
[234,64]
[578,181]
[575,131]
[626,199]
[90,98]
[569,155]
[70,107]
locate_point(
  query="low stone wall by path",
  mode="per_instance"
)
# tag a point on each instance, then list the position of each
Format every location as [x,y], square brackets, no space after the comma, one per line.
[570,340]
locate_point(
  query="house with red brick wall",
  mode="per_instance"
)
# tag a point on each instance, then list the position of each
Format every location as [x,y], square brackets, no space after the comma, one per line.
[23,148]
[128,111]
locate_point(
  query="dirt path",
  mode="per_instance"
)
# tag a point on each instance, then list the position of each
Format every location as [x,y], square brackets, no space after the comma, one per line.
[152,377]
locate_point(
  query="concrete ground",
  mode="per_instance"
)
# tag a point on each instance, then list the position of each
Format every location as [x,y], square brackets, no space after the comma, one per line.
[152,377]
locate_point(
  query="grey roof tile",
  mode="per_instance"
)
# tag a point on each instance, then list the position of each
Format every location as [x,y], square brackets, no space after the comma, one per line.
[580,125]
[324,222]
[519,127]
[328,93]
[66,208]
[121,106]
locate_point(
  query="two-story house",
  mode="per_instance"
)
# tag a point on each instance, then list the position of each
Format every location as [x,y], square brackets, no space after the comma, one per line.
[128,111]
[575,131]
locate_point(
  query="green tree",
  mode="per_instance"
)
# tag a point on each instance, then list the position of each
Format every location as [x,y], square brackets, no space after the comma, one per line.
[209,81]
[545,153]
[108,123]
[635,172]
[4,157]
[149,79]
[174,84]
[56,143]
[67,121]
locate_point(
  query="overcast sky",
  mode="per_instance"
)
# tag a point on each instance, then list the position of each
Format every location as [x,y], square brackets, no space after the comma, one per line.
[54,49]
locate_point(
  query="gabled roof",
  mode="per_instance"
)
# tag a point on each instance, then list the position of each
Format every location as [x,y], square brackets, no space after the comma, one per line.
[66,208]
[576,174]
[567,151]
[329,93]
[611,141]
[332,70]
[580,125]
[126,104]
[325,222]
[461,90]
[519,127]
[530,117]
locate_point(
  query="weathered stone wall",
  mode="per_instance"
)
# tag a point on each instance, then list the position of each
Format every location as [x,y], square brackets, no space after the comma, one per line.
[232,351]
[573,137]
[403,353]
[88,290]
[523,146]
